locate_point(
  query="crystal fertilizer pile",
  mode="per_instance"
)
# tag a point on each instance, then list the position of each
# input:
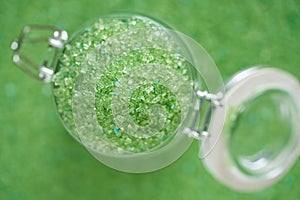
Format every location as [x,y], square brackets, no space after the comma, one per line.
[126,75]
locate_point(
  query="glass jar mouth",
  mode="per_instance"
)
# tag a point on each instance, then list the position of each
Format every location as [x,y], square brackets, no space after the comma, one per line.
[167,69]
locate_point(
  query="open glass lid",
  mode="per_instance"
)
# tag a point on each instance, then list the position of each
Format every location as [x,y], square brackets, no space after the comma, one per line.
[260,139]
[131,91]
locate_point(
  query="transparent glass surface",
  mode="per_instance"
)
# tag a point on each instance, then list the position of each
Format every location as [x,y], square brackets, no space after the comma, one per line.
[260,130]
[125,89]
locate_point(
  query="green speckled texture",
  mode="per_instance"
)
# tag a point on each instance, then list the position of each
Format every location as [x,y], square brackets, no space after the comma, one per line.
[122,60]
[40,160]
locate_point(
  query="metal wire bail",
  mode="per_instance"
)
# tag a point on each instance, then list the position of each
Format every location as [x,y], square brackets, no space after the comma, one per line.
[42,71]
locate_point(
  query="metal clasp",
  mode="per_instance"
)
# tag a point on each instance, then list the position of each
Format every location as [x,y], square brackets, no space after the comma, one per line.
[214,101]
[56,41]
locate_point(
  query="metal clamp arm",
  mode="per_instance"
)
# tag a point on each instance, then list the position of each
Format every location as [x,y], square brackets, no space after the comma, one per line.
[43,71]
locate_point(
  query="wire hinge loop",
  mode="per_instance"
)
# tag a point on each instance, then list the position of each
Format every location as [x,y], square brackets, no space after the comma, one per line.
[214,100]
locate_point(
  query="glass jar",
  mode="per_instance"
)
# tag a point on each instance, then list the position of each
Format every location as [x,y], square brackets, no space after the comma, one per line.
[136,93]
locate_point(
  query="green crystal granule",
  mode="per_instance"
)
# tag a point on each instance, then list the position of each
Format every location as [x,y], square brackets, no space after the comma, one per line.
[121,85]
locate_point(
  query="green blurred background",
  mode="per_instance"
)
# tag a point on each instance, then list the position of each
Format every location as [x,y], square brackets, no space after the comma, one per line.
[39,160]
